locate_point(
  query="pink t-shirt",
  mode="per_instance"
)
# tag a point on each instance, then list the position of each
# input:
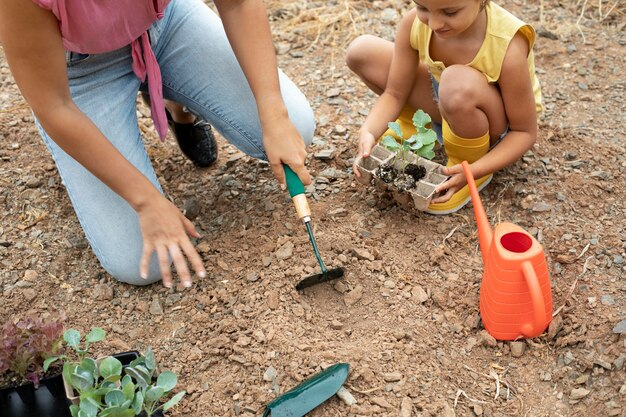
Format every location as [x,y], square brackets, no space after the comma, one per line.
[97,26]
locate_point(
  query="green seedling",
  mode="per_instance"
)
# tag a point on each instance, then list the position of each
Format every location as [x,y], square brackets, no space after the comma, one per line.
[421,143]
[106,388]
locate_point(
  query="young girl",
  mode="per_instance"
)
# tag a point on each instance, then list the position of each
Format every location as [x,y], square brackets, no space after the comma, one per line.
[467,63]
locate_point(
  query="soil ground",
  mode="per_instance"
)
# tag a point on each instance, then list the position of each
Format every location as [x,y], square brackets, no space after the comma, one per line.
[405,317]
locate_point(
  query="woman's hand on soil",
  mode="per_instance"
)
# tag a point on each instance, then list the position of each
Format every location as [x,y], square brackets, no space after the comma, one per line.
[165,230]
[452,185]
[366,143]
[284,145]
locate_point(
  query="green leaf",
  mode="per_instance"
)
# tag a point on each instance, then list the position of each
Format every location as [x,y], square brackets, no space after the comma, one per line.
[128,389]
[390,143]
[427,151]
[89,406]
[415,148]
[90,366]
[117,412]
[81,381]
[150,360]
[420,119]
[110,366]
[395,128]
[74,410]
[137,403]
[48,361]
[429,137]
[173,401]
[95,335]
[410,140]
[72,337]
[114,398]
[82,413]
[154,394]
[138,377]
[167,380]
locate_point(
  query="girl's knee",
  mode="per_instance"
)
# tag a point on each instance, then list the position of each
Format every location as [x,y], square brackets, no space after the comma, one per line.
[459,88]
[357,51]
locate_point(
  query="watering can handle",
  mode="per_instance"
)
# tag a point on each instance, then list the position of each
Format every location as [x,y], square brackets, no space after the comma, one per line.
[536,296]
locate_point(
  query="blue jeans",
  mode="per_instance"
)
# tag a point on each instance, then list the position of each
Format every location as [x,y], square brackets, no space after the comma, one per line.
[199,71]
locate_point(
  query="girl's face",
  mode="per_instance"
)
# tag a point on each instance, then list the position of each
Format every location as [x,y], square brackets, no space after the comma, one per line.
[448,18]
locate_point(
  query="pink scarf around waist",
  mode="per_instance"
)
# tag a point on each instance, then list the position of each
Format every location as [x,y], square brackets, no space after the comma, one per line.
[92,27]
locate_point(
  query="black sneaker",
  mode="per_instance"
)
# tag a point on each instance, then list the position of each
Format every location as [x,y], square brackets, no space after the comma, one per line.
[196,140]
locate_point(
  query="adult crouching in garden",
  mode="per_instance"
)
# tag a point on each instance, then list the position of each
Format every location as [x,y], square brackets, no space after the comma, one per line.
[80,64]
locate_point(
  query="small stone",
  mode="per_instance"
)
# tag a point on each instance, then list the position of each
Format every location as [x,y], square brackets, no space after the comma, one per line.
[269,375]
[252,277]
[392,377]
[102,292]
[353,296]
[620,328]
[555,327]
[362,254]
[478,409]
[619,362]
[601,362]
[381,402]
[156,309]
[517,349]
[578,393]
[191,209]
[486,339]
[406,407]
[345,396]
[419,294]
[607,300]
[30,275]
[336,325]
[272,300]
[324,154]
[541,206]
[285,251]
[582,379]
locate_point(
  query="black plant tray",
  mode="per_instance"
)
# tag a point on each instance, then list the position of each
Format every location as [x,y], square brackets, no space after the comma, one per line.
[46,401]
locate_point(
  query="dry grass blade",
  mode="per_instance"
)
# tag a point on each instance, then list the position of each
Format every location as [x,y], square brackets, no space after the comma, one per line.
[332,24]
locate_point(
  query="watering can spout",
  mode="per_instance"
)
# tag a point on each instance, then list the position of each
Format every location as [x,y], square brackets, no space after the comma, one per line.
[485,234]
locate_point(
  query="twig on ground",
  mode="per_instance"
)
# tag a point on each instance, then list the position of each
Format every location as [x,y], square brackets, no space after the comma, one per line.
[367,391]
[460,392]
[573,286]
[582,12]
[449,235]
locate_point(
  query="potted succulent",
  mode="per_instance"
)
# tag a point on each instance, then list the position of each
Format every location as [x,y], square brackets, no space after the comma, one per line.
[122,385]
[405,167]
[27,386]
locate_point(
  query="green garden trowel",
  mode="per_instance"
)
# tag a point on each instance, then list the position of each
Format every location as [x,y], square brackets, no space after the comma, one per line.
[310,393]
[296,191]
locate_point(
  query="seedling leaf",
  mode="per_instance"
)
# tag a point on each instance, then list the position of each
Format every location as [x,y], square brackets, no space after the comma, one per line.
[390,143]
[95,335]
[395,128]
[173,401]
[167,380]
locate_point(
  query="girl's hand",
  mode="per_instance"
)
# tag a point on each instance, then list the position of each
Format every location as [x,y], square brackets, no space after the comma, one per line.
[455,183]
[165,229]
[366,143]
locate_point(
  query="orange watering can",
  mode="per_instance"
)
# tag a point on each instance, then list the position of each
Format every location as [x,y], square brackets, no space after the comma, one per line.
[515,293]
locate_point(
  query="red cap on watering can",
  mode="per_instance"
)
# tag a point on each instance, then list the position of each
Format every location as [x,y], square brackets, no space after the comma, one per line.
[515,292]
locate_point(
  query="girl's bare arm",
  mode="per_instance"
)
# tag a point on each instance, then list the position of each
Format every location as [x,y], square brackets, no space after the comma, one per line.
[402,74]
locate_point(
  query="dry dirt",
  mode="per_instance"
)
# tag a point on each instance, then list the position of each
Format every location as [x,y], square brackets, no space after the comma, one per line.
[406,315]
